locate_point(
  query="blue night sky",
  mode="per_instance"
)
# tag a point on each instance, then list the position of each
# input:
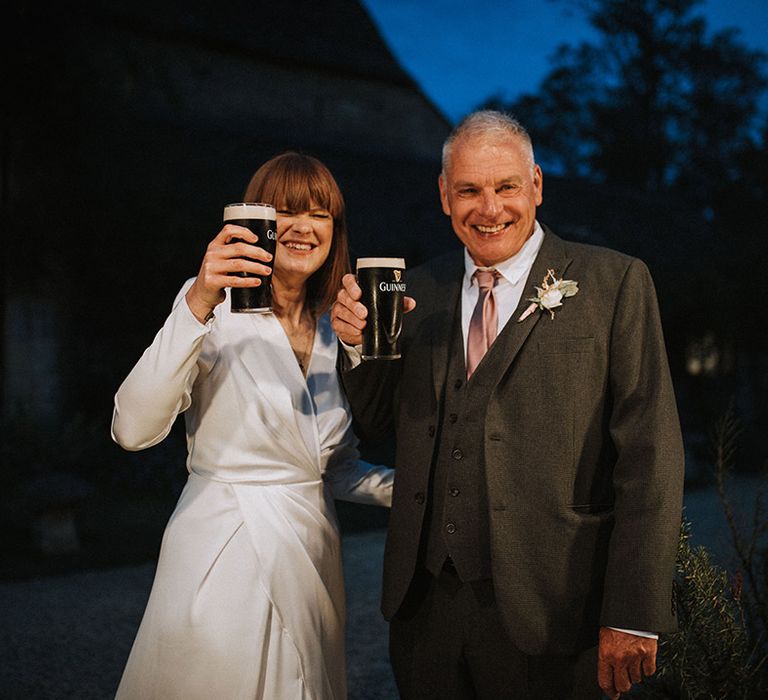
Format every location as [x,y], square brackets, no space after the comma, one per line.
[460,53]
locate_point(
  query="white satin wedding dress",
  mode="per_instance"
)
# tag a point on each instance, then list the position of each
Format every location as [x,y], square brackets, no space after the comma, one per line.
[248,597]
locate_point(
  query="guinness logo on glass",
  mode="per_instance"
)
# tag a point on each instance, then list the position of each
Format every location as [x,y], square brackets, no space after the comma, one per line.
[398,274]
[392,286]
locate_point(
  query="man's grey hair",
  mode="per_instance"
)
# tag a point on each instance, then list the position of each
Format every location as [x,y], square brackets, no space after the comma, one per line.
[490,124]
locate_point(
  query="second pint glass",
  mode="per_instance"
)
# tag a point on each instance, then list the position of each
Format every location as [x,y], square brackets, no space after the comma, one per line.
[382,281]
[261,219]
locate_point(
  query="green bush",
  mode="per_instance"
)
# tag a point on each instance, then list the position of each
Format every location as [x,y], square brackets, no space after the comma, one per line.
[721,649]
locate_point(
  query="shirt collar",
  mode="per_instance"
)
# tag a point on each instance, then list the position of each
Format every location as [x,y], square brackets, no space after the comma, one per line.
[512,269]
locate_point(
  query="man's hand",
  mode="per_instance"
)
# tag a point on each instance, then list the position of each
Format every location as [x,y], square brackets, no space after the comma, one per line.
[348,315]
[623,659]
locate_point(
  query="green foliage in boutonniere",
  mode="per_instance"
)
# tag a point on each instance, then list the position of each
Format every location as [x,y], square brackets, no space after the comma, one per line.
[550,295]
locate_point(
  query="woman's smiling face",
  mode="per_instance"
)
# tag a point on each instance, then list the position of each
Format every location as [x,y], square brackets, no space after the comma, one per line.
[303,240]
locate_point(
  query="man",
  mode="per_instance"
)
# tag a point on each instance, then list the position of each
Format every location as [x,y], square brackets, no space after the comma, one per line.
[539,462]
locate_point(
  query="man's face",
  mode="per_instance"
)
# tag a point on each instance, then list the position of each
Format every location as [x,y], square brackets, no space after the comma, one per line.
[491,190]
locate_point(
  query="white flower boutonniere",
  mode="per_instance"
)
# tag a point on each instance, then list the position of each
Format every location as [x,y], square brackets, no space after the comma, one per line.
[550,295]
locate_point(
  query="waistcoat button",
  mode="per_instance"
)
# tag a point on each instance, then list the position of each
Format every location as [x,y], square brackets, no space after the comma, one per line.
[457,454]
[419,497]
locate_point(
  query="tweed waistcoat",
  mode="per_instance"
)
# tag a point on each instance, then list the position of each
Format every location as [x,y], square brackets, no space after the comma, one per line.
[457,526]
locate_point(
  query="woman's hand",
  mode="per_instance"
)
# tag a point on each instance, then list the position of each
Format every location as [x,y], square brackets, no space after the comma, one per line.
[222,258]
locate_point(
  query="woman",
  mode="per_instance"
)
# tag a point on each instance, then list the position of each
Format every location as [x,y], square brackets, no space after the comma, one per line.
[248,598]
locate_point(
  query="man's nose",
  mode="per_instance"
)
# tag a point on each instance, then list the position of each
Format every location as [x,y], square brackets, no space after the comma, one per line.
[490,204]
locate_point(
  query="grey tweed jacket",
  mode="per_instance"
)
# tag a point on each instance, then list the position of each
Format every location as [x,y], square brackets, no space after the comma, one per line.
[582,448]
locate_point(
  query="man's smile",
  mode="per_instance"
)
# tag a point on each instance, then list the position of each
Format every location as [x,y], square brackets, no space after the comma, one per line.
[491,229]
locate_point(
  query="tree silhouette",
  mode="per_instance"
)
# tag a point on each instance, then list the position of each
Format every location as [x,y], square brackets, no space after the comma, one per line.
[657,109]
[654,104]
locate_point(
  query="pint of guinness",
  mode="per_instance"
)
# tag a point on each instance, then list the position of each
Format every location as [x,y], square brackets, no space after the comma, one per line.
[261,219]
[382,281]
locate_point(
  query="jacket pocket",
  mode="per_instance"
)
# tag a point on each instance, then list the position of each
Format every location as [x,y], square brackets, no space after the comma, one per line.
[603,509]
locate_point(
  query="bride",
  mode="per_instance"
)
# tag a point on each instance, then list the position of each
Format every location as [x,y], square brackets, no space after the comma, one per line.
[248,597]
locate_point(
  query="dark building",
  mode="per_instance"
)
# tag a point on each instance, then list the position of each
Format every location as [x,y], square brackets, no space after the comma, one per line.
[129,124]
[126,127]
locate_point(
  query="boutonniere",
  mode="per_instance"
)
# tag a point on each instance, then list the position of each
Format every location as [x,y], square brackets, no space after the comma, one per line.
[550,295]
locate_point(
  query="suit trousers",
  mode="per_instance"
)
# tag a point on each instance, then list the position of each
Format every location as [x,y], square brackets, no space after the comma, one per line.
[447,642]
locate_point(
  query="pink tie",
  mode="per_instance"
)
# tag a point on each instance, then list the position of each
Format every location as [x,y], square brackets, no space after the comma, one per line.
[483,325]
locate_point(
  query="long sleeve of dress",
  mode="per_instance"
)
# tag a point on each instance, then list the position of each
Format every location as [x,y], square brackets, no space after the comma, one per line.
[350,478]
[159,386]
[353,479]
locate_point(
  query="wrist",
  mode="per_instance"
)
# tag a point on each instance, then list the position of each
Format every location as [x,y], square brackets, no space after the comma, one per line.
[201,310]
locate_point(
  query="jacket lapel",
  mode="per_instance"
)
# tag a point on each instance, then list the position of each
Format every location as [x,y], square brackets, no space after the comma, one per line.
[552,255]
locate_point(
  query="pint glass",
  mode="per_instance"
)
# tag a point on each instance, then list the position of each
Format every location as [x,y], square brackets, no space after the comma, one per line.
[261,219]
[382,281]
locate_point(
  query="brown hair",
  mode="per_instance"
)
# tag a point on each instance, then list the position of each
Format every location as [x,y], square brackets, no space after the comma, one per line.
[300,182]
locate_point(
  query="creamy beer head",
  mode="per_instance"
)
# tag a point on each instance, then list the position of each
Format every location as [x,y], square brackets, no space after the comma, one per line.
[398,263]
[249,210]
[382,281]
[260,218]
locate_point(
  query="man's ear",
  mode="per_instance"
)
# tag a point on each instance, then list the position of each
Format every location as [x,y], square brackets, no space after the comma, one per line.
[538,184]
[441,183]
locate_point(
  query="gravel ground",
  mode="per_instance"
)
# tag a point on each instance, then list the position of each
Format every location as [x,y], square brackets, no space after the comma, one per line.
[69,636]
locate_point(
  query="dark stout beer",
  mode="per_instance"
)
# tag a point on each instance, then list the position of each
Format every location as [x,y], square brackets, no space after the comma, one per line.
[383,283]
[261,219]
